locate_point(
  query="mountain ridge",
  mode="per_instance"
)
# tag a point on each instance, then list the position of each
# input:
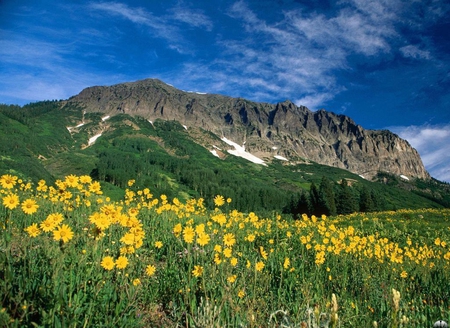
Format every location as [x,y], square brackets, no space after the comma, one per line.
[266,130]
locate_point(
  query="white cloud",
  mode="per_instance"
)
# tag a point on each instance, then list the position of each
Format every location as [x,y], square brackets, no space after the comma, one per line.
[296,57]
[161,26]
[414,52]
[433,144]
[136,15]
[314,101]
[195,18]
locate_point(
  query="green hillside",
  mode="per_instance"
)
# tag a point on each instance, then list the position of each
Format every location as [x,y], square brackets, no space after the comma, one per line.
[35,143]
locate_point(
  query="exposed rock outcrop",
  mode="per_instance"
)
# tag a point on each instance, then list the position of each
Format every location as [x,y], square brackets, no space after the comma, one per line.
[266,129]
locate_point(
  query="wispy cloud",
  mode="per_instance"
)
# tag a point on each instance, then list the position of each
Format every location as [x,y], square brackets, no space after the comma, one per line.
[433,144]
[40,70]
[299,55]
[192,17]
[302,55]
[414,52]
[161,26]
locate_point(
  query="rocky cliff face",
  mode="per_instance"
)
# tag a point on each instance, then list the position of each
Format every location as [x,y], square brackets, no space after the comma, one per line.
[283,129]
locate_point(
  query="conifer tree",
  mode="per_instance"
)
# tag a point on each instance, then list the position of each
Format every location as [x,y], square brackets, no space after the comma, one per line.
[346,201]
[365,200]
[314,199]
[327,196]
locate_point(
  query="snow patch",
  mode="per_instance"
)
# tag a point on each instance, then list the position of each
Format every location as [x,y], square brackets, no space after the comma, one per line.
[281,158]
[70,128]
[105,118]
[362,176]
[185,127]
[201,93]
[92,140]
[404,177]
[214,152]
[274,148]
[217,147]
[240,152]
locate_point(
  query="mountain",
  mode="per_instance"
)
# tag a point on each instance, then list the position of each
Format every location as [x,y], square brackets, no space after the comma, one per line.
[267,130]
[186,145]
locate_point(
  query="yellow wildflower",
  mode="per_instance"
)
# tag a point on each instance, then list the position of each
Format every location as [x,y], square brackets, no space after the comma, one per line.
[8,181]
[107,263]
[217,258]
[229,239]
[33,230]
[29,206]
[63,233]
[203,239]
[219,200]
[71,181]
[227,252]
[85,179]
[188,234]
[121,262]
[263,252]
[259,266]
[150,270]
[232,278]
[198,270]
[95,187]
[177,229]
[11,201]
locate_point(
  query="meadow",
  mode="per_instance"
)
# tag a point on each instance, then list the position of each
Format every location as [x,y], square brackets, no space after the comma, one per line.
[72,257]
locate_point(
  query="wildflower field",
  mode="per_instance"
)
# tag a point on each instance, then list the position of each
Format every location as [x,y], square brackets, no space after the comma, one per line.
[71,257]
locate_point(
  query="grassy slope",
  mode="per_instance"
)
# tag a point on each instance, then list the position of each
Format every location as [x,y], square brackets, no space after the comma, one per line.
[43,132]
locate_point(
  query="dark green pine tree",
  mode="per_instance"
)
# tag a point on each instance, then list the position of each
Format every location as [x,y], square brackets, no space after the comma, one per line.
[314,200]
[365,200]
[327,196]
[303,205]
[346,200]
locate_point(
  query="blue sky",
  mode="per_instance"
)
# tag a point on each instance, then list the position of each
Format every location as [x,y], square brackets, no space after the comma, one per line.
[385,63]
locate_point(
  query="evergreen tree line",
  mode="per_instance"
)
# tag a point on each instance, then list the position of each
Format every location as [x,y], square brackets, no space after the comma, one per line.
[331,198]
[130,158]
[142,160]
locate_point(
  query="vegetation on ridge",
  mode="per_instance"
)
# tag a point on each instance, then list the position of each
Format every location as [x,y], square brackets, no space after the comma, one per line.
[36,143]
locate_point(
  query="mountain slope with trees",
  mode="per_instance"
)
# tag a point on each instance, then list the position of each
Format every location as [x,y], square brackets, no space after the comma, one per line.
[164,156]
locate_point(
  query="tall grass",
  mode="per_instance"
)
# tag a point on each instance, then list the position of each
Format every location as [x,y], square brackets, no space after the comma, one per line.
[70,257]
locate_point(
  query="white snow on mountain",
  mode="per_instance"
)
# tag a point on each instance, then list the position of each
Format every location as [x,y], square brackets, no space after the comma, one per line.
[240,152]
[92,140]
[70,128]
[214,152]
[281,158]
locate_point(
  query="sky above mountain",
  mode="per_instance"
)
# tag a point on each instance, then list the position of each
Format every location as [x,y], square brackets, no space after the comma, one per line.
[385,63]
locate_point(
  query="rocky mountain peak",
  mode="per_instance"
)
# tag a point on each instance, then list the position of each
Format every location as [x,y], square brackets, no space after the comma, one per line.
[283,129]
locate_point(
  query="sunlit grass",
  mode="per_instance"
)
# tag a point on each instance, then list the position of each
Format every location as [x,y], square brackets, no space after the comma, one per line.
[72,257]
